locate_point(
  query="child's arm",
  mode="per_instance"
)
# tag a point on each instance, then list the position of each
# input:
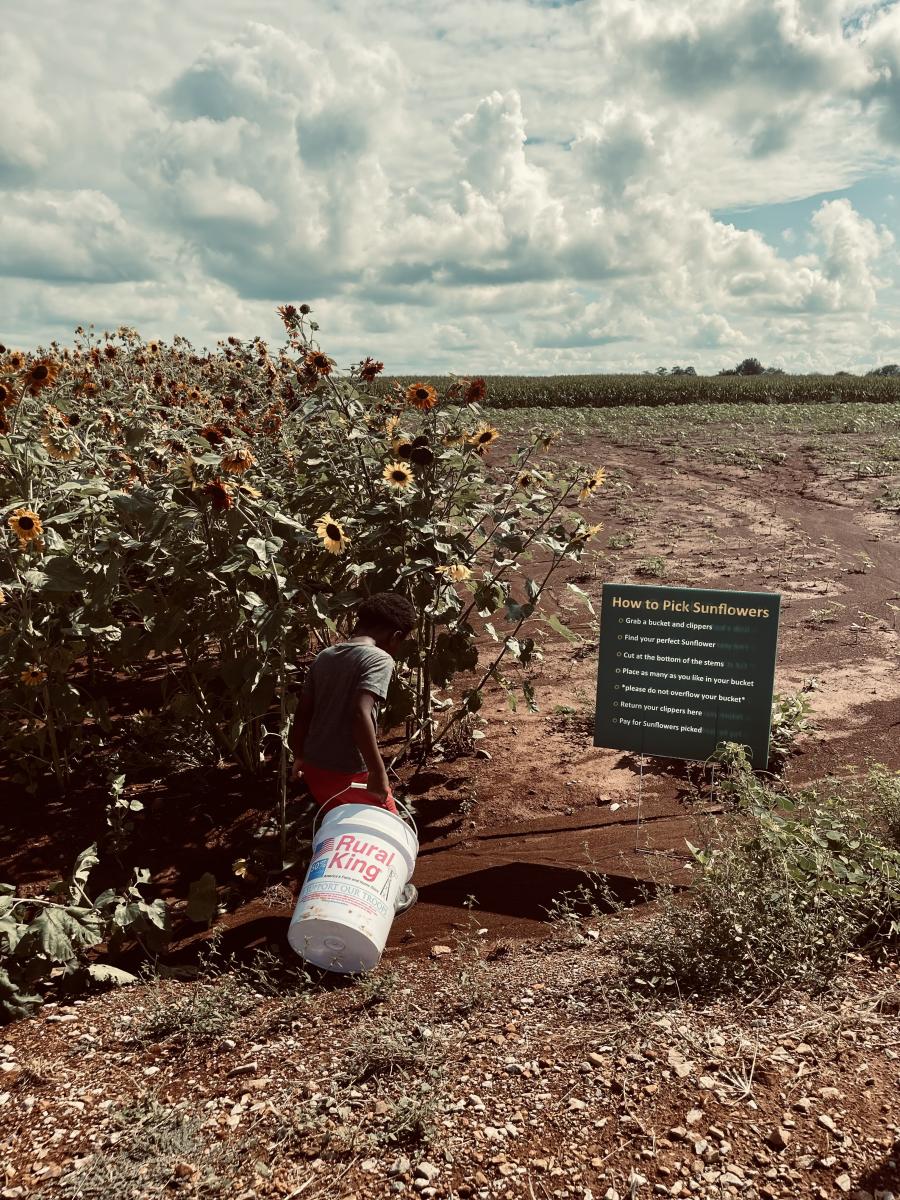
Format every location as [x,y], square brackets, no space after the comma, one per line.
[367,744]
[300,728]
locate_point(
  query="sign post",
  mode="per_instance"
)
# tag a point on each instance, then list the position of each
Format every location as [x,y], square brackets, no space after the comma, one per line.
[683,669]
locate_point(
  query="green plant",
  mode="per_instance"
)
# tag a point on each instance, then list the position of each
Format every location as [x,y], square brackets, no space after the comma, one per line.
[654,567]
[42,937]
[790,719]
[781,897]
[157,1147]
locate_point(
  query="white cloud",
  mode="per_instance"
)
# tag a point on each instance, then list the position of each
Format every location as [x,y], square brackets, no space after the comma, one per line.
[521,187]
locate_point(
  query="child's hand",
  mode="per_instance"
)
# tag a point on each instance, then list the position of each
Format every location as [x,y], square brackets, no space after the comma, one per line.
[379,787]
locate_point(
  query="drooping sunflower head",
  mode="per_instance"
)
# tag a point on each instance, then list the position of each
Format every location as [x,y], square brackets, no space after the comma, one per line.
[369,369]
[60,443]
[220,494]
[484,437]
[476,391]
[334,537]
[26,525]
[421,396]
[6,396]
[40,375]
[524,481]
[238,460]
[587,532]
[455,571]
[33,676]
[398,475]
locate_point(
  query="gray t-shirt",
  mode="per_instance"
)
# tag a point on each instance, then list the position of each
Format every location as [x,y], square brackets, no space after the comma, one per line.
[335,677]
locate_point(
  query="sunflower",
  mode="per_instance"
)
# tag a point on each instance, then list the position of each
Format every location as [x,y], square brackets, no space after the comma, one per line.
[318,362]
[402,446]
[592,482]
[238,460]
[214,434]
[369,369]
[194,395]
[484,437]
[15,362]
[2,596]
[334,539]
[421,395]
[247,490]
[26,525]
[398,475]
[33,676]
[40,375]
[153,347]
[453,438]
[455,571]
[59,443]
[524,481]
[421,456]
[6,396]
[476,391]
[391,426]
[221,495]
[587,532]
[5,426]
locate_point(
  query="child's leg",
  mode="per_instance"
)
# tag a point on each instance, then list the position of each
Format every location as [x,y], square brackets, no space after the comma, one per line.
[331,788]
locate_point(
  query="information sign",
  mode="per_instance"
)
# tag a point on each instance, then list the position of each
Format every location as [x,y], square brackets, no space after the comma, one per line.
[683,669]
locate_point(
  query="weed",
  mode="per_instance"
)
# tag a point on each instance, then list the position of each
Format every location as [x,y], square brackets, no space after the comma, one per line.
[782,897]
[790,718]
[622,541]
[156,1147]
[653,568]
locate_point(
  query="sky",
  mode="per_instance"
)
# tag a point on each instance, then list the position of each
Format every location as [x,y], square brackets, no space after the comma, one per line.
[528,187]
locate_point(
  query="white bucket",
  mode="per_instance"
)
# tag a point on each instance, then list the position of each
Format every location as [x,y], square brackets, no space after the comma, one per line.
[363,856]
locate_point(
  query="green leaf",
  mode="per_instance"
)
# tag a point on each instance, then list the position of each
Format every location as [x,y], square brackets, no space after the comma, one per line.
[202,899]
[104,973]
[554,622]
[583,595]
[14,1002]
[64,575]
[60,933]
[84,864]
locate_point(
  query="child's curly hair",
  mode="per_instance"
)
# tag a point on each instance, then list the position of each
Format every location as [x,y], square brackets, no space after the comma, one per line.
[386,611]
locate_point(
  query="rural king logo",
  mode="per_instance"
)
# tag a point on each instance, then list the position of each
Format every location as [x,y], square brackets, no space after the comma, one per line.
[364,858]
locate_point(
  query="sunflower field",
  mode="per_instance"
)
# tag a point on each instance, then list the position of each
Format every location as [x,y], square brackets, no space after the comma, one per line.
[194,527]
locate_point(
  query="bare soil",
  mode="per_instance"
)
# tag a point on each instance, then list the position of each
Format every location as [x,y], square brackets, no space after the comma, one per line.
[505,829]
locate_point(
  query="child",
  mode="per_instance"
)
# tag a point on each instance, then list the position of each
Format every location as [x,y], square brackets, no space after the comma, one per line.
[334,736]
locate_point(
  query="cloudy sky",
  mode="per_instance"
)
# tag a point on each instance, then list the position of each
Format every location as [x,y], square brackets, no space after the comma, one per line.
[494,186]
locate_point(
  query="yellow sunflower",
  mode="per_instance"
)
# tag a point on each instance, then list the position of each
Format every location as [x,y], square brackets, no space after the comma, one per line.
[33,676]
[589,531]
[318,362]
[247,490]
[524,481]
[13,363]
[40,375]
[398,475]
[153,347]
[391,425]
[59,443]
[592,482]
[453,437]
[26,525]
[454,571]
[422,396]
[484,437]
[332,533]
[238,460]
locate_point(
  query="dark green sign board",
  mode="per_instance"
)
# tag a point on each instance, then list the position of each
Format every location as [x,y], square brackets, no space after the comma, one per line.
[683,669]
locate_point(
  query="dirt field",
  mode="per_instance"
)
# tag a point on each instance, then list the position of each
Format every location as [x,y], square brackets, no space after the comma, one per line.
[553,1090]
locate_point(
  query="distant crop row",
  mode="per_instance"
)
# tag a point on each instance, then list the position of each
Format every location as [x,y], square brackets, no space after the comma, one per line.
[610,391]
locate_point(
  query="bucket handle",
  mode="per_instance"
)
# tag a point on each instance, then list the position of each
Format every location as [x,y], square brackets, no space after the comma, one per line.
[361,786]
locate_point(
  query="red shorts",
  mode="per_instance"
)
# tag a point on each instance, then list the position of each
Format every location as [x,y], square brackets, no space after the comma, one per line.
[331,788]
